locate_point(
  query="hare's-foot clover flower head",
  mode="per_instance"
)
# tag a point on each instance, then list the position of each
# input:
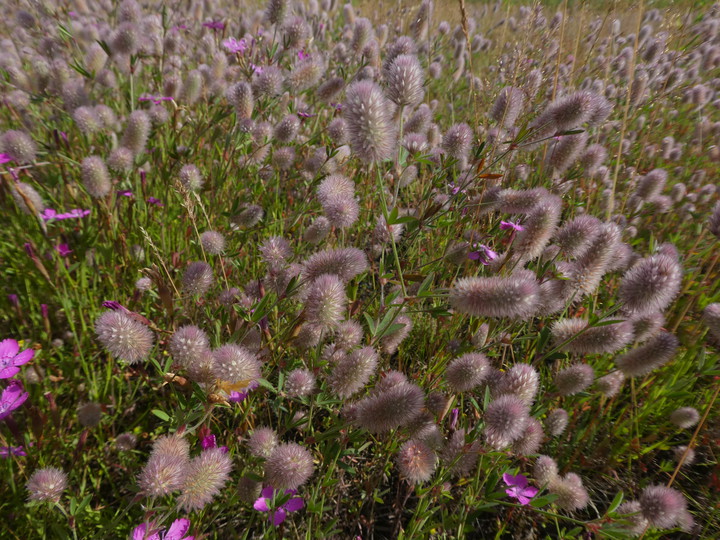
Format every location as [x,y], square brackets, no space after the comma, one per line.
[47,484]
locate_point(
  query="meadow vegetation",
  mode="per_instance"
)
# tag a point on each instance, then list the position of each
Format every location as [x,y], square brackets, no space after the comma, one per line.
[309,270]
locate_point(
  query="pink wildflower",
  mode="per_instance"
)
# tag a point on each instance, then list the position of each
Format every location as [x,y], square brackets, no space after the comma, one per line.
[235,46]
[519,488]
[12,397]
[278,514]
[10,359]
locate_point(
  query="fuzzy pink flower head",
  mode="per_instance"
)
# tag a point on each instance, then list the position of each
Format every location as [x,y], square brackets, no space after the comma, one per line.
[176,531]
[11,358]
[519,488]
[47,484]
[277,514]
[235,45]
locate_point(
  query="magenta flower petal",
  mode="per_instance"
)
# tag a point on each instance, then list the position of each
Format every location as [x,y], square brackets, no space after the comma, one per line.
[9,371]
[177,530]
[208,442]
[261,505]
[12,397]
[518,480]
[277,516]
[7,451]
[63,249]
[48,214]
[8,348]
[4,158]
[519,488]
[235,46]
[267,492]
[294,504]
[141,530]
[10,359]
[523,500]
[509,225]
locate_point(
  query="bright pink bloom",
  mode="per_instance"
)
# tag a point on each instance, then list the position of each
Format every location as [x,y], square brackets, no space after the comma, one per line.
[4,158]
[209,442]
[12,397]
[455,189]
[277,515]
[256,69]
[49,214]
[214,25]
[302,55]
[509,225]
[483,254]
[63,249]
[176,531]
[7,451]
[519,488]
[10,358]
[235,46]
[115,306]
[156,202]
[239,397]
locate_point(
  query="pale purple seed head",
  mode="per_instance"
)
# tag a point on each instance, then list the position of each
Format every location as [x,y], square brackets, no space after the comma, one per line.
[289,466]
[371,130]
[416,461]
[47,484]
[574,379]
[188,343]
[205,476]
[262,442]
[124,337]
[662,506]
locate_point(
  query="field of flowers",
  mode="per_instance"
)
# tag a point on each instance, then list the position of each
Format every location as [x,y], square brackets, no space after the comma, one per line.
[400,270]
